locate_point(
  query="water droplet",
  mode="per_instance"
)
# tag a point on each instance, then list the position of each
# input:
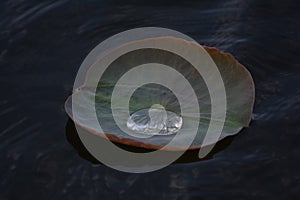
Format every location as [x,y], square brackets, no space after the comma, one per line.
[154,121]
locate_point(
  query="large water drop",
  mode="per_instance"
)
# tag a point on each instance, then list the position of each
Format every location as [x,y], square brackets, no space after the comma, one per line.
[154,121]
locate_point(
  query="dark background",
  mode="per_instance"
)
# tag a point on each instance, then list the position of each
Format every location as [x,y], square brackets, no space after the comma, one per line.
[42,44]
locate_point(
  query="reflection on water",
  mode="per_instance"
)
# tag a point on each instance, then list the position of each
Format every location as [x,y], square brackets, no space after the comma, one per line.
[42,46]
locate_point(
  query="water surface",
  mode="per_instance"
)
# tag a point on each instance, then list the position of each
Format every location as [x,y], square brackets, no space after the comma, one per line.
[42,44]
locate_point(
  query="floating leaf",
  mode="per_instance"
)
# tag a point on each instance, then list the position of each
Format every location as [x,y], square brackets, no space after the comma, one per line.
[237,81]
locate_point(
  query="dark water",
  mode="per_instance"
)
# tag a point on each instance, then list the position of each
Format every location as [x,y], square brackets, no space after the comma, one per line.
[42,44]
